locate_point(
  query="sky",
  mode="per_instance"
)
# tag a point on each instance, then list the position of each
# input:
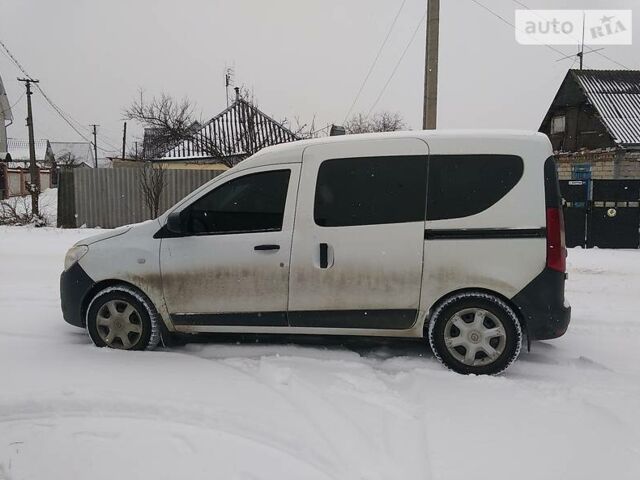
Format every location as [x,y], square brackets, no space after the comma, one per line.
[304,60]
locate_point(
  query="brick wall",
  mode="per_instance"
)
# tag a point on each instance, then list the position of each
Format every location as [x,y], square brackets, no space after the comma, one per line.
[605,165]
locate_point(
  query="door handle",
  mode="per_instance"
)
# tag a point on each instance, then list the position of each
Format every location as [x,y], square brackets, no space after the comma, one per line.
[267,247]
[324,255]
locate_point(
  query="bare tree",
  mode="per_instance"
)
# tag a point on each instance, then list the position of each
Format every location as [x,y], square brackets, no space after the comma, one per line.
[380,122]
[17,211]
[359,123]
[306,130]
[169,122]
[388,122]
[67,159]
[153,180]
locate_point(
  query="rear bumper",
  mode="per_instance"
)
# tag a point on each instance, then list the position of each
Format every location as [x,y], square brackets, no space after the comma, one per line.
[545,312]
[74,286]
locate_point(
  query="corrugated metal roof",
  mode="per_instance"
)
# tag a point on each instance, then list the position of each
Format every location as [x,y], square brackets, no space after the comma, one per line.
[19,149]
[616,96]
[238,131]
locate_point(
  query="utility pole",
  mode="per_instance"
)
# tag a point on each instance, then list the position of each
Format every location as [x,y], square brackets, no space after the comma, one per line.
[95,145]
[430,107]
[124,139]
[34,173]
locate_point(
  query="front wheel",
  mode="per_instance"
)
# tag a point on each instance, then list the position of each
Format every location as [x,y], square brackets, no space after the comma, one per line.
[475,333]
[120,317]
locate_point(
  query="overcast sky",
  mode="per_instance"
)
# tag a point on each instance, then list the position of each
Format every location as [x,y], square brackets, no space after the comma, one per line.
[302,59]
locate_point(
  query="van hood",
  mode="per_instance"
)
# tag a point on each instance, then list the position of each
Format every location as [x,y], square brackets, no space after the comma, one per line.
[142,228]
[104,236]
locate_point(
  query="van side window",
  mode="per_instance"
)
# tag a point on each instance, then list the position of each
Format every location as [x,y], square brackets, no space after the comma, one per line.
[370,191]
[252,203]
[463,185]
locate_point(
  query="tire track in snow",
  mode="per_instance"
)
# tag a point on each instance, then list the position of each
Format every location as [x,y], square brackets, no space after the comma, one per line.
[314,402]
[61,407]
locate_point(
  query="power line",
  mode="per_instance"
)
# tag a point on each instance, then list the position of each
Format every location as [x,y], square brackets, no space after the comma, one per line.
[375,60]
[591,50]
[53,105]
[500,17]
[14,59]
[404,52]
[65,116]
[16,103]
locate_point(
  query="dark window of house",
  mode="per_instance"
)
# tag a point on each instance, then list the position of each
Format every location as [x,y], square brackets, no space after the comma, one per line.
[371,190]
[463,185]
[252,203]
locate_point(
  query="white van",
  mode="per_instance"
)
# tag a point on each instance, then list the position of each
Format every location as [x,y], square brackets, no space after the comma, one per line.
[452,236]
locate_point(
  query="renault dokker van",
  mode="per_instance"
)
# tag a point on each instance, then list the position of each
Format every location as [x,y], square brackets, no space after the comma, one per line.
[456,237]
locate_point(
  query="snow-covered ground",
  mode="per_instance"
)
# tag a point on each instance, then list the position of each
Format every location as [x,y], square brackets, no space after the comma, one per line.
[48,205]
[570,409]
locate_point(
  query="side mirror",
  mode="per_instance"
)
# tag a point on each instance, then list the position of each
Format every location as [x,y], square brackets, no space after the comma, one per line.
[174,223]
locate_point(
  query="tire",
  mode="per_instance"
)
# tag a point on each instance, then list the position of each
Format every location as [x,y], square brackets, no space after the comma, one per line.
[475,333]
[120,317]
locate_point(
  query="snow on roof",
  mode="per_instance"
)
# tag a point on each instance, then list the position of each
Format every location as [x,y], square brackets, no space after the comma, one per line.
[239,130]
[616,96]
[73,152]
[19,149]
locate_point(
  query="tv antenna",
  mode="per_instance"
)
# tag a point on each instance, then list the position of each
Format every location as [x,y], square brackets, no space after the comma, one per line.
[229,75]
[580,55]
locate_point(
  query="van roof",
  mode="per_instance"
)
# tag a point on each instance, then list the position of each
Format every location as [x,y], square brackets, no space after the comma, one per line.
[273,154]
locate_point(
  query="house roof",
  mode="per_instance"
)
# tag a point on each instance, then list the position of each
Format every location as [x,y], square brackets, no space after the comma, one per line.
[79,152]
[19,150]
[5,107]
[615,94]
[238,131]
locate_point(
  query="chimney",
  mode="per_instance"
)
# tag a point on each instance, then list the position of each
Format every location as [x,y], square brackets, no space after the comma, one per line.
[237,89]
[337,130]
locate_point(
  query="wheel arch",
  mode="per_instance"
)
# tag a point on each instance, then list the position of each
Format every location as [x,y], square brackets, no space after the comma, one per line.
[101,285]
[444,298]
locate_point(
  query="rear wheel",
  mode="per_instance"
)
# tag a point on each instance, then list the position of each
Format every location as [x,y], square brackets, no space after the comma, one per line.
[475,333]
[120,317]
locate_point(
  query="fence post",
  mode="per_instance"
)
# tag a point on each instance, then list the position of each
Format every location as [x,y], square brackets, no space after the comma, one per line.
[66,199]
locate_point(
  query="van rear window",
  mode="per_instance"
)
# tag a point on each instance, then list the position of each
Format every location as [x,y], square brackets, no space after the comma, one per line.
[464,185]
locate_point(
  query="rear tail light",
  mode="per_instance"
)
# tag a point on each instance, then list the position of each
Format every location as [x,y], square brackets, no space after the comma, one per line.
[556,251]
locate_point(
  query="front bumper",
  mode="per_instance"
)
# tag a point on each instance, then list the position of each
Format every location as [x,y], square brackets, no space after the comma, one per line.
[543,306]
[74,286]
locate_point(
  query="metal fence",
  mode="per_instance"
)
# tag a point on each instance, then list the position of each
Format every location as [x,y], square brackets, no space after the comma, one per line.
[112,197]
[602,213]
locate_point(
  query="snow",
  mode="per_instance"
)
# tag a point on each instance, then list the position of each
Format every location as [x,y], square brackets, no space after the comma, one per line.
[47,205]
[313,410]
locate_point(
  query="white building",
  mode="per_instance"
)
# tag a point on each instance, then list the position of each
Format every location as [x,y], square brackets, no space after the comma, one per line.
[6,118]
[73,154]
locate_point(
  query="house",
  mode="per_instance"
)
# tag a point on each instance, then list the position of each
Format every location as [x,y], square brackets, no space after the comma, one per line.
[6,119]
[234,134]
[594,124]
[14,169]
[19,151]
[74,154]
[153,146]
